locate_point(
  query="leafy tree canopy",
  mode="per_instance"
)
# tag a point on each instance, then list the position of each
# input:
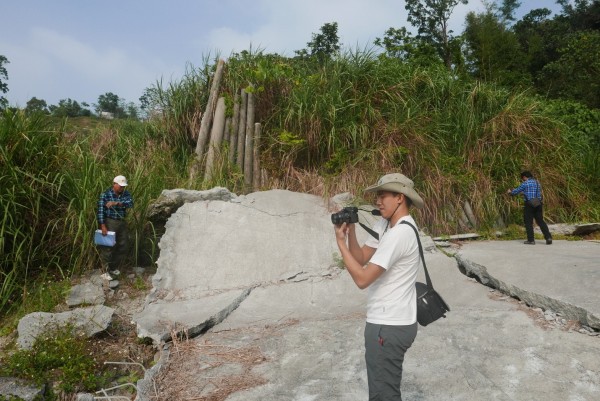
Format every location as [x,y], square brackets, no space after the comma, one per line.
[69,108]
[399,43]
[108,102]
[493,51]
[324,45]
[431,17]
[35,105]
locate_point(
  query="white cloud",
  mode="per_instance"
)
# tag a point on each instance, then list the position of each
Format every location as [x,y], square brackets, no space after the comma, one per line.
[288,26]
[53,66]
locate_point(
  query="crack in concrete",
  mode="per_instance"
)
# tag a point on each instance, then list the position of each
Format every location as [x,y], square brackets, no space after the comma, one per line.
[214,320]
[571,312]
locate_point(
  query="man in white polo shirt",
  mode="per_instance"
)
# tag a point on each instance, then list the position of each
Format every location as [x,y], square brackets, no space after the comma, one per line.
[388,267]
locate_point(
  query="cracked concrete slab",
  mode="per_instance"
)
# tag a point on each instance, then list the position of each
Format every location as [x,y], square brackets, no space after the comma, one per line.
[562,277]
[261,271]
[213,249]
[161,320]
[484,350]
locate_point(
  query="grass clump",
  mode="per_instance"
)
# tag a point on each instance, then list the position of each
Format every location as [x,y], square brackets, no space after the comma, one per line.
[42,296]
[60,358]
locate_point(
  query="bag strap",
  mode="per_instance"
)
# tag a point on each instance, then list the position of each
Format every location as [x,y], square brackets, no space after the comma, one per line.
[369,230]
[427,278]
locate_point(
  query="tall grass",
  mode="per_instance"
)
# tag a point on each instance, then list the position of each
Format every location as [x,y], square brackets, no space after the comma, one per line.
[51,175]
[361,115]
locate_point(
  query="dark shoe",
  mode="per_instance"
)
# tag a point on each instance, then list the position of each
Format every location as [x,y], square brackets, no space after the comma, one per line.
[549,241]
[529,242]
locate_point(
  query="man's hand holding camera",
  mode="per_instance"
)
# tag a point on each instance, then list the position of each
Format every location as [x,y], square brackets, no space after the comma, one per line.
[342,230]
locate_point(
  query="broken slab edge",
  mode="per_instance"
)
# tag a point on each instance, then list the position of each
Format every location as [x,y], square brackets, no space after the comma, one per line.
[571,312]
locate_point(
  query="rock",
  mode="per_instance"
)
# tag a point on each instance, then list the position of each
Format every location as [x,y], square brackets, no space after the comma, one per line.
[427,243]
[585,229]
[12,387]
[558,229]
[139,270]
[86,293]
[88,321]
[571,229]
[172,199]
[340,200]
[457,237]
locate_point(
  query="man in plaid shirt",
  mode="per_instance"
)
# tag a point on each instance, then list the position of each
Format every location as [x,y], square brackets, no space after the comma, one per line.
[532,207]
[112,210]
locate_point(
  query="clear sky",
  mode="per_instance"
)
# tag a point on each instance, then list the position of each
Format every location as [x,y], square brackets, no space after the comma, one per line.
[81,49]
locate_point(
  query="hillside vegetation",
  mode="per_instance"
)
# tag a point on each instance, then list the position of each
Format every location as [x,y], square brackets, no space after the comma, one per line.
[328,128]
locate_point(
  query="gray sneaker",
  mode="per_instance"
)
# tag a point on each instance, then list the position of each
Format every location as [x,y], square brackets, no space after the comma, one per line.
[549,241]
[529,242]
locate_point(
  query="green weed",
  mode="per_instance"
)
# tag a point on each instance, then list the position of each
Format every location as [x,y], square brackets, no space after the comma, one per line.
[60,358]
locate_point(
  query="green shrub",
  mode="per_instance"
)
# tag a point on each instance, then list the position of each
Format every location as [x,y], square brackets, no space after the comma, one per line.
[60,358]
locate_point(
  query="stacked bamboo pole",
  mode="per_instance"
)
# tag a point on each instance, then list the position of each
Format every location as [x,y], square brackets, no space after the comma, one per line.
[241,138]
[234,128]
[216,139]
[240,131]
[249,147]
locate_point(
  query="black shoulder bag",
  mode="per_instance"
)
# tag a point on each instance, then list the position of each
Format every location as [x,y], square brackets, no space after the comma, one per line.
[430,305]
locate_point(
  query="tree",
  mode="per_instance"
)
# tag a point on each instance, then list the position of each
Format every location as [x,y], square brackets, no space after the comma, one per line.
[69,108]
[538,36]
[506,11]
[3,79]
[431,17]
[132,111]
[399,43]
[35,105]
[111,103]
[581,14]
[493,51]
[576,73]
[324,45]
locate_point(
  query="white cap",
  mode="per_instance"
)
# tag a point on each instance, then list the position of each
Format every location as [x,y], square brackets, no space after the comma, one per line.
[121,180]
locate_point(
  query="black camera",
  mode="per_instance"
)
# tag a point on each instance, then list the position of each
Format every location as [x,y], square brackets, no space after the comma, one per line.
[346,215]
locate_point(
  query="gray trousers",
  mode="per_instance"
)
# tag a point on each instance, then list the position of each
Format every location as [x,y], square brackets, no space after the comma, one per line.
[385,347]
[113,256]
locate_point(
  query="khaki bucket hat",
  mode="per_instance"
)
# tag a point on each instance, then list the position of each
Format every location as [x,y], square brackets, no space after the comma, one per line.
[398,183]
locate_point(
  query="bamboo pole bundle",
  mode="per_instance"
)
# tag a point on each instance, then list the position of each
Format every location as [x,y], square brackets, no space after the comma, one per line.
[256,182]
[241,138]
[208,114]
[249,147]
[469,213]
[216,138]
[234,129]
[227,130]
[207,119]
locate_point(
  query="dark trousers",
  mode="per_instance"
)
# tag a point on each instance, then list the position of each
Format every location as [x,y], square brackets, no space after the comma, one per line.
[113,256]
[385,347]
[529,214]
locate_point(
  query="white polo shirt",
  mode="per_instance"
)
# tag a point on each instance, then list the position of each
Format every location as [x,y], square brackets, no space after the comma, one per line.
[392,298]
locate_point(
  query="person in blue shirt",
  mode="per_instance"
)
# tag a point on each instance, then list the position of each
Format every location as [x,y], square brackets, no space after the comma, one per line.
[112,210]
[532,207]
